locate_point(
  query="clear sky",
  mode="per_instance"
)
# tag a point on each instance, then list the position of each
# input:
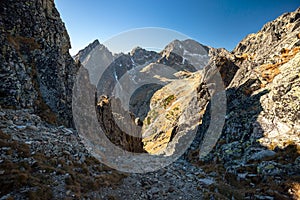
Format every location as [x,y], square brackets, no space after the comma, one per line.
[216,23]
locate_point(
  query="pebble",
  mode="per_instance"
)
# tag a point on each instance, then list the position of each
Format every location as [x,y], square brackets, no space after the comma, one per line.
[20,127]
[206,181]
[9,122]
[32,127]
[18,122]
[5,148]
[262,154]
[67,131]
[262,197]
[28,142]
[2,114]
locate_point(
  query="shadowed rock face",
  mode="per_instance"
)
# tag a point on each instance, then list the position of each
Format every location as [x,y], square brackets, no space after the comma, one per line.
[119,137]
[37,70]
[270,62]
[122,64]
[140,100]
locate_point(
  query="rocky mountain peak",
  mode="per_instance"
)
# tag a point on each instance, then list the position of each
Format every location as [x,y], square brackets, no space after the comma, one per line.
[272,38]
[186,46]
[82,54]
[187,50]
[95,57]
[136,50]
[141,56]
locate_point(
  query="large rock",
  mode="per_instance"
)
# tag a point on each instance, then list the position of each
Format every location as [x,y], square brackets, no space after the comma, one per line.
[37,70]
[260,54]
[262,79]
[280,116]
[267,84]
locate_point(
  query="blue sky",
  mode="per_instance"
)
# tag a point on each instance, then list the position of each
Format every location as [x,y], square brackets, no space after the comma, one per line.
[216,23]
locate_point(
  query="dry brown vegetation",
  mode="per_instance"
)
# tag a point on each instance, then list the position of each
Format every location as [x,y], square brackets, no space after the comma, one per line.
[38,176]
[20,42]
[295,190]
[269,71]
[244,56]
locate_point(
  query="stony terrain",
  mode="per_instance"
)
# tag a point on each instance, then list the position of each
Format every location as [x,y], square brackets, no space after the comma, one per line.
[42,161]
[43,157]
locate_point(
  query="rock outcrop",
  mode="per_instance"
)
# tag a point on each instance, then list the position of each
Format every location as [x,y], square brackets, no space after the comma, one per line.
[37,70]
[171,117]
[262,120]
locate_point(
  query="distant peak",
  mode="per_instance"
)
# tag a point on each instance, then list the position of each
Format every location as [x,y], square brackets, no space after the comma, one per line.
[88,49]
[136,49]
[94,44]
[188,45]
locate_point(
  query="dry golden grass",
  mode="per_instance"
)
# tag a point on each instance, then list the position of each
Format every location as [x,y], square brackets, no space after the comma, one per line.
[244,56]
[269,71]
[295,190]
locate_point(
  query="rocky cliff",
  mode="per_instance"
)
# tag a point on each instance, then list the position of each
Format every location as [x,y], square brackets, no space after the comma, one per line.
[259,144]
[37,70]
[39,159]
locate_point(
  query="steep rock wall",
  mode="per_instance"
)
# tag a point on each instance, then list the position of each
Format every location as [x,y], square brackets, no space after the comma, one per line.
[37,70]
